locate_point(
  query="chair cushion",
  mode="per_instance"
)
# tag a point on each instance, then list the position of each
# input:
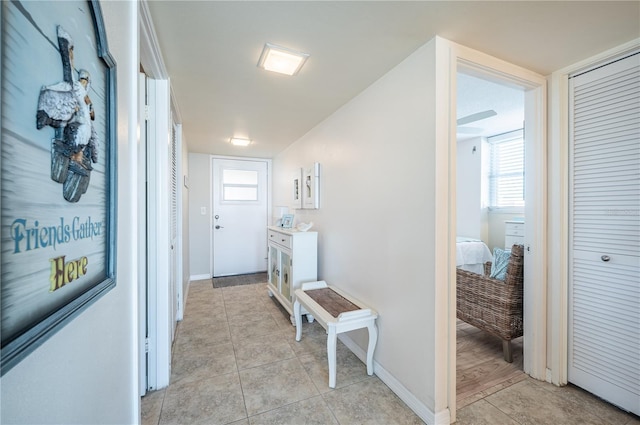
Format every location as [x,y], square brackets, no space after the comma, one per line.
[500,263]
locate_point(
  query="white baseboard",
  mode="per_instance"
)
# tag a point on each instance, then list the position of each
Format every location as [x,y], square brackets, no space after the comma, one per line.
[199,277]
[419,408]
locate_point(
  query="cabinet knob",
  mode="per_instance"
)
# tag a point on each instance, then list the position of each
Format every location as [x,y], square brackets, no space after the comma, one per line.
[605,258]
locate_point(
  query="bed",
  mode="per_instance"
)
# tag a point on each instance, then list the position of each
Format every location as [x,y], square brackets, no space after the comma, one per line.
[471,254]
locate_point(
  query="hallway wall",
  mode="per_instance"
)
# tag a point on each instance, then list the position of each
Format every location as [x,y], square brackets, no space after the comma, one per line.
[377,212]
[88,371]
[200,224]
[470,212]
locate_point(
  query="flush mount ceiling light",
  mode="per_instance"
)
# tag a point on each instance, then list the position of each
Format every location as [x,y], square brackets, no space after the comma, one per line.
[237,141]
[280,59]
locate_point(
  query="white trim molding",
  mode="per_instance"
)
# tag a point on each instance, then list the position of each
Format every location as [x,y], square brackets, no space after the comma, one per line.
[150,53]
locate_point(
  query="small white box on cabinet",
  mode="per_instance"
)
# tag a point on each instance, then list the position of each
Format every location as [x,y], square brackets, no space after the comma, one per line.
[513,233]
[293,260]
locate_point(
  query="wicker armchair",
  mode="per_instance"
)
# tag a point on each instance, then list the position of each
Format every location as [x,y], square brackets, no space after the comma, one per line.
[492,305]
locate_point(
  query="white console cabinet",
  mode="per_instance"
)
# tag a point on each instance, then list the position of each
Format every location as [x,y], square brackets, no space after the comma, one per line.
[293,259]
[513,233]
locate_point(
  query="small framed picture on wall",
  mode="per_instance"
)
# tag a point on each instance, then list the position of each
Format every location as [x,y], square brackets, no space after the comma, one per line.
[297,189]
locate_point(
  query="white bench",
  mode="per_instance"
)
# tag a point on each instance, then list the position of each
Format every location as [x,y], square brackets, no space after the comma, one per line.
[337,312]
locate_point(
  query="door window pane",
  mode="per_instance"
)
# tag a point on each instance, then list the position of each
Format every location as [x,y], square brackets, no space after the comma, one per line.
[240,177]
[239,185]
[240,193]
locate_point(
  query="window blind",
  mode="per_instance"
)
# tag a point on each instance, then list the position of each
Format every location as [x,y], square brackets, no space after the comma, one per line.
[506,170]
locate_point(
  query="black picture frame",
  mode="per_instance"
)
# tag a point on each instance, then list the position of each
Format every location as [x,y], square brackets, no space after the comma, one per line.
[58,240]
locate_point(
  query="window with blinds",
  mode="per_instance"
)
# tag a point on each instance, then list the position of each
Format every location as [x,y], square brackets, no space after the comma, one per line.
[506,170]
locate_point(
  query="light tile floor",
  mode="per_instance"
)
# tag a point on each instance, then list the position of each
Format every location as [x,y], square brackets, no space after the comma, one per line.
[236,361]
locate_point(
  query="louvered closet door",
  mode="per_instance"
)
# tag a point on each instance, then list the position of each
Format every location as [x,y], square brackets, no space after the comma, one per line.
[604,322]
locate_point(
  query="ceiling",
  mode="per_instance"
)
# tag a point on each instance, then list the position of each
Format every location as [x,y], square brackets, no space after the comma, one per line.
[476,95]
[211,48]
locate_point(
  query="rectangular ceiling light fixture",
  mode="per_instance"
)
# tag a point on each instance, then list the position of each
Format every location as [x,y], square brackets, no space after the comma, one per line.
[237,141]
[280,59]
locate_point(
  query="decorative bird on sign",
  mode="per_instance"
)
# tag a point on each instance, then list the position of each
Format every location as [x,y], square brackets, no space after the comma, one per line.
[66,107]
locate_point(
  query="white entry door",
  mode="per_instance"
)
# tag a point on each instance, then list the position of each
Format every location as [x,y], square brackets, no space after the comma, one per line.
[240,216]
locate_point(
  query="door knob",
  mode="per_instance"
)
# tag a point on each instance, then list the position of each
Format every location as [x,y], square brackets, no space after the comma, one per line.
[219,227]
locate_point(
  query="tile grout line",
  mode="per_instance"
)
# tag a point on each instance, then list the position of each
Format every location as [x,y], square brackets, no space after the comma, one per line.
[235,358]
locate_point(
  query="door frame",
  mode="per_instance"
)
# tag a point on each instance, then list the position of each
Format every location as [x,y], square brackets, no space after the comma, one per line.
[558,271]
[143,354]
[269,193]
[458,57]
[156,309]
[160,313]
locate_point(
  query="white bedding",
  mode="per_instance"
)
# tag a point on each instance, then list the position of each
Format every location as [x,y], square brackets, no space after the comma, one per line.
[471,254]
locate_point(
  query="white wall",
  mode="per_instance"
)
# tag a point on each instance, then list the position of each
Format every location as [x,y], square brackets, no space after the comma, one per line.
[497,226]
[88,371]
[469,188]
[200,224]
[377,212]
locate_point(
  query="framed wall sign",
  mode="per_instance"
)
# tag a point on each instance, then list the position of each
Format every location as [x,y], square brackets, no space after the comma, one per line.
[311,186]
[58,169]
[297,189]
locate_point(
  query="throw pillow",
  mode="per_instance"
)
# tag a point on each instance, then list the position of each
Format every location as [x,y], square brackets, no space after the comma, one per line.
[500,263]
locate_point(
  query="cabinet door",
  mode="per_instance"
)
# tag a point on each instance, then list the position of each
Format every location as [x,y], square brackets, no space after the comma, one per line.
[285,275]
[273,266]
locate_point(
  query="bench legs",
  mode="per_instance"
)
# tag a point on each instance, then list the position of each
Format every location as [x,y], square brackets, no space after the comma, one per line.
[331,355]
[373,338]
[332,340]
[332,337]
[298,319]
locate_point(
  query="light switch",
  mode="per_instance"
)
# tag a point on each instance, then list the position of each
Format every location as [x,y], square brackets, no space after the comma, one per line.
[203,210]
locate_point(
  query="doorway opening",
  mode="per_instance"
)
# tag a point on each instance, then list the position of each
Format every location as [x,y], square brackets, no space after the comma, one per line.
[490,219]
[533,86]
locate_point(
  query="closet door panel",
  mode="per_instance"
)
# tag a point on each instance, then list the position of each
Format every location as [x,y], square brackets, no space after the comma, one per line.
[604,281]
